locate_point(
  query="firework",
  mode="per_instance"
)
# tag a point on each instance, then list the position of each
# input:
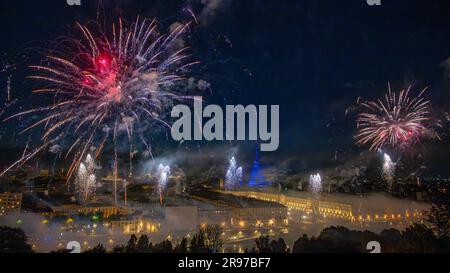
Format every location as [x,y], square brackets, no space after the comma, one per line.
[233,177]
[107,84]
[315,182]
[163,174]
[8,90]
[85,180]
[388,170]
[398,120]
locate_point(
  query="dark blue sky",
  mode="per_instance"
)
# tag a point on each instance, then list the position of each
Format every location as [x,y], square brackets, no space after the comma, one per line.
[311,57]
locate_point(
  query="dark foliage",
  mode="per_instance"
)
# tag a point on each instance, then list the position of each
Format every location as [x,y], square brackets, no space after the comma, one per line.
[13,240]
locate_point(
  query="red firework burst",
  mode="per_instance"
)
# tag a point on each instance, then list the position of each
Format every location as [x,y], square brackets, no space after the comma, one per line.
[398,120]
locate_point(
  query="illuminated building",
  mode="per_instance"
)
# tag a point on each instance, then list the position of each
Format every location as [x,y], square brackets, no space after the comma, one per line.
[242,212]
[336,210]
[105,211]
[133,226]
[259,216]
[257,178]
[10,202]
[216,215]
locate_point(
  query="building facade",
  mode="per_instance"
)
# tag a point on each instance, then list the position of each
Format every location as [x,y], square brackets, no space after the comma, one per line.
[10,203]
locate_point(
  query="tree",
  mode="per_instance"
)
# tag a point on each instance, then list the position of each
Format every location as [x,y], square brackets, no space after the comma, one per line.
[132,244]
[61,251]
[439,219]
[301,244]
[335,240]
[163,247]
[143,244]
[99,249]
[279,246]
[341,239]
[13,240]
[390,239]
[214,238]
[120,249]
[182,247]
[418,239]
[198,244]
[263,244]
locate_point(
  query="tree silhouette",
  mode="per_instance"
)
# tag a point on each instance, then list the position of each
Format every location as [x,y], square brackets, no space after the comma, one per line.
[390,240]
[143,244]
[263,244]
[198,244]
[120,249]
[213,234]
[279,246]
[163,247]
[13,240]
[418,239]
[99,249]
[182,247]
[132,244]
[439,219]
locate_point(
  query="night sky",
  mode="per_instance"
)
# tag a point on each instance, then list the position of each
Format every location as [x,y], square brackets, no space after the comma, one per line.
[314,58]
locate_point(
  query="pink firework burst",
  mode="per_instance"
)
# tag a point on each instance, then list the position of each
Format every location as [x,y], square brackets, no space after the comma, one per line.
[109,82]
[398,120]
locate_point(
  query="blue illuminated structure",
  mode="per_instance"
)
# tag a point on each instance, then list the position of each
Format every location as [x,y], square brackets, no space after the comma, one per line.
[257,178]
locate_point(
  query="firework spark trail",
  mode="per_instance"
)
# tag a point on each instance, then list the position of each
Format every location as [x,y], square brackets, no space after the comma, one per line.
[162,175]
[315,182]
[117,80]
[8,90]
[397,120]
[86,181]
[388,170]
[233,176]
